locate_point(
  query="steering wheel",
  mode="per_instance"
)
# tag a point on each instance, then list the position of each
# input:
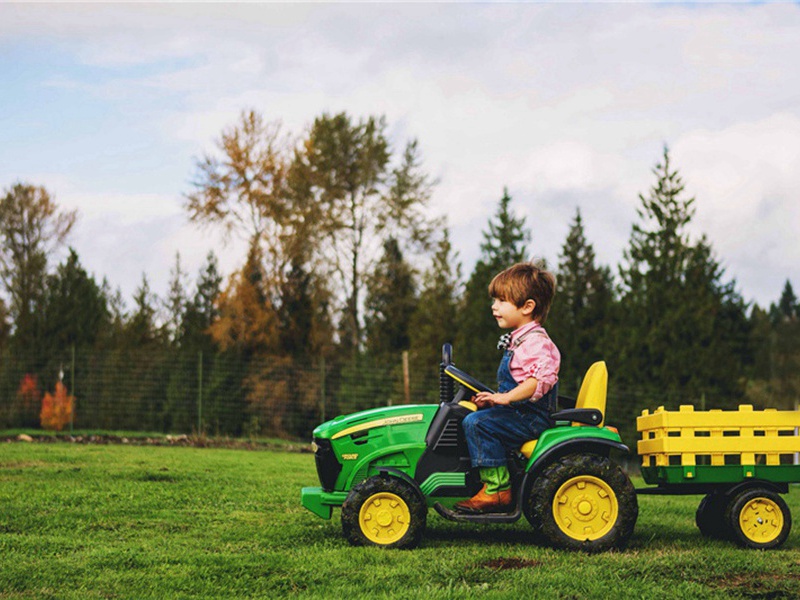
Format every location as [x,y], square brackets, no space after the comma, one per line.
[468,381]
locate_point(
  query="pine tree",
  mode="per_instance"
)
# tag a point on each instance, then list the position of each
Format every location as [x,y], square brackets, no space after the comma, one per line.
[787,307]
[390,303]
[682,331]
[75,311]
[578,321]
[503,245]
[435,319]
[175,303]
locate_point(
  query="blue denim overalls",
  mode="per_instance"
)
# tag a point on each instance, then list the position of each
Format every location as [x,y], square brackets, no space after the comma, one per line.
[492,432]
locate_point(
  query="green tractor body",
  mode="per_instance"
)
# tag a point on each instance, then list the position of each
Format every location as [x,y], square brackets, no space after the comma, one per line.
[386,467]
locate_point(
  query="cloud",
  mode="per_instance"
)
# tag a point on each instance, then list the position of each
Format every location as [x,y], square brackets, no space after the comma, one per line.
[567,105]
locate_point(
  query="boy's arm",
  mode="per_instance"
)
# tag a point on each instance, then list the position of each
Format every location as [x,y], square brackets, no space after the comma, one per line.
[524,391]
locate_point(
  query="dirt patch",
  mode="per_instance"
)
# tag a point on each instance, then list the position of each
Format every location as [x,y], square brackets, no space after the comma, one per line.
[766,587]
[193,441]
[503,564]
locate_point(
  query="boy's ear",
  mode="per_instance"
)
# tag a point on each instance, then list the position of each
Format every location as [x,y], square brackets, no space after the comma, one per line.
[527,308]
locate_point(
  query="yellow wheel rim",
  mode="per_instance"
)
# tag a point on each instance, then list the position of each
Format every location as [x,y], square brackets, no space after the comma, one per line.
[585,508]
[384,518]
[761,520]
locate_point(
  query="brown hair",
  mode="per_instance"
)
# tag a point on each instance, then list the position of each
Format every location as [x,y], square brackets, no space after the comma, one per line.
[525,281]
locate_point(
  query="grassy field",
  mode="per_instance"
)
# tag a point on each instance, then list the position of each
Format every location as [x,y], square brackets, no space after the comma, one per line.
[93,521]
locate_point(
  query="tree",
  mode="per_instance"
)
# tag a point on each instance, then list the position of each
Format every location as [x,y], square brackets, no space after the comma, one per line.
[141,327]
[682,330]
[75,310]
[435,319]
[247,323]
[344,170]
[390,303]
[578,321]
[787,307]
[175,304]
[201,310]
[503,245]
[31,228]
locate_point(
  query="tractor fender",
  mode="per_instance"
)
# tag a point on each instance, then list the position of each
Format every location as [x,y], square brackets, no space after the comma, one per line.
[392,472]
[599,446]
[754,484]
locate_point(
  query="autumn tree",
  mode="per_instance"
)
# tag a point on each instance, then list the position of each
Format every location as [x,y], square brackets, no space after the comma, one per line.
[32,227]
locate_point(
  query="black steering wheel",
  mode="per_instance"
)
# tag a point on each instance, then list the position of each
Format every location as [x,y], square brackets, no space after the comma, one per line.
[467,380]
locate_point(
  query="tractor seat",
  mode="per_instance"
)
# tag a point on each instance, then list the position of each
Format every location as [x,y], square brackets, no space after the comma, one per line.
[589,407]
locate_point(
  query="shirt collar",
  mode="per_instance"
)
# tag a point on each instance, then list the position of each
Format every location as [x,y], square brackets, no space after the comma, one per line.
[525,328]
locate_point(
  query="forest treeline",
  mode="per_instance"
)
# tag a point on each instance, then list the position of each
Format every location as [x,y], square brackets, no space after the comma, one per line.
[347,269]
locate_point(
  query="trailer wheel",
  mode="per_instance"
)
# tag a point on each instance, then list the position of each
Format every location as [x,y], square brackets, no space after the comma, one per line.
[583,502]
[759,519]
[710,517]
[384,511]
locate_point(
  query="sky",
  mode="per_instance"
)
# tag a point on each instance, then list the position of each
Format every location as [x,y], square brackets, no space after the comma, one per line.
[568,105]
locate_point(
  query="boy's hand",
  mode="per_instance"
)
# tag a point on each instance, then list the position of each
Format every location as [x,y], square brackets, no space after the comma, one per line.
[486,399]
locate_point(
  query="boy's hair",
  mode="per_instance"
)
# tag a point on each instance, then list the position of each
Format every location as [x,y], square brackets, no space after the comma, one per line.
[525,281]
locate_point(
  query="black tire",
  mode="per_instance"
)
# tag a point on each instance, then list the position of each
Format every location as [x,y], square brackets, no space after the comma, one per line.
[710,517]
[395,508]
[758,519]
[583,502]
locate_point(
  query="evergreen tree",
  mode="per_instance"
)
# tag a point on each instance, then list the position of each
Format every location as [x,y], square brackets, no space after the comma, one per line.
[682,331]
[141,327]
[503,245]
[390,303]
[175,303]
[578,321]
[201,311]
[75,307]
[435,319]
[787,307]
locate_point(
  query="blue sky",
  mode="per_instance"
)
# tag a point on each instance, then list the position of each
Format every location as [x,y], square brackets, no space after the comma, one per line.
[569,105]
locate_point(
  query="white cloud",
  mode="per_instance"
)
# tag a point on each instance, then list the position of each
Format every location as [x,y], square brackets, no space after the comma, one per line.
[568,105]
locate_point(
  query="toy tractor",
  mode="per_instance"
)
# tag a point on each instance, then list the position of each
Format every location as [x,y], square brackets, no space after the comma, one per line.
[386,467]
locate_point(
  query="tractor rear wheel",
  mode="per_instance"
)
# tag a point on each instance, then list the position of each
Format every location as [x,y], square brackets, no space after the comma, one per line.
[710,517]
[384,511]
[583,502]
[759,519]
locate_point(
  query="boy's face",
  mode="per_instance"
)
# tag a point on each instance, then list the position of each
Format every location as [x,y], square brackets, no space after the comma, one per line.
[511,316]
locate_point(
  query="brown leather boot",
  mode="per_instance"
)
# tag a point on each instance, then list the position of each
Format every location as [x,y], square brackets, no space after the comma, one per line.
[483,502]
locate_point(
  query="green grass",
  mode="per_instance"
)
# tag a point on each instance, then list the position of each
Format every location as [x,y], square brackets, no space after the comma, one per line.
[83,521]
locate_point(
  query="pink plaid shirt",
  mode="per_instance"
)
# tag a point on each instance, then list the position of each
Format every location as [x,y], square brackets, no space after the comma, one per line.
[537,357]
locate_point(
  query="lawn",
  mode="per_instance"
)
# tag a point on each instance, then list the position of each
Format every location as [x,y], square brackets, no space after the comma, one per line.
[116,521]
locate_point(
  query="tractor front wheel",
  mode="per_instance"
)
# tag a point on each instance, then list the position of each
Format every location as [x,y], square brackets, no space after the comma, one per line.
[384,511]
[759,519]
[583,502]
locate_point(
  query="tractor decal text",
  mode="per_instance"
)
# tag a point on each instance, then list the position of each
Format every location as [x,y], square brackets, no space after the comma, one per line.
[379,423]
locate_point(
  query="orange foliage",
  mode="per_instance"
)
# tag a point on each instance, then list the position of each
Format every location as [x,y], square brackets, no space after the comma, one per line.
[57,408]
[28,391]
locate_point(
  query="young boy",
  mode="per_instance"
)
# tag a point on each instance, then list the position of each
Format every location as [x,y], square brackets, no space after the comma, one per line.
[526,379]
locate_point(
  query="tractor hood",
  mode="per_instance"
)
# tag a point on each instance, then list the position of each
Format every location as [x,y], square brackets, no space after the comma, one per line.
[409,414]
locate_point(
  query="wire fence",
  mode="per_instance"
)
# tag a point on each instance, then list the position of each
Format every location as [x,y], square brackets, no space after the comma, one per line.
[230,395]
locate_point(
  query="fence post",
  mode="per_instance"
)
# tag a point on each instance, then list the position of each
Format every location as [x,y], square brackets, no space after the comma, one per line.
[406,378]
[72,389]
[200,392]
[322,387]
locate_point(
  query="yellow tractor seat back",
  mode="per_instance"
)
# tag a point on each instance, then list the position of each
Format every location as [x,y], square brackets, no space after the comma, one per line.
[593,390]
